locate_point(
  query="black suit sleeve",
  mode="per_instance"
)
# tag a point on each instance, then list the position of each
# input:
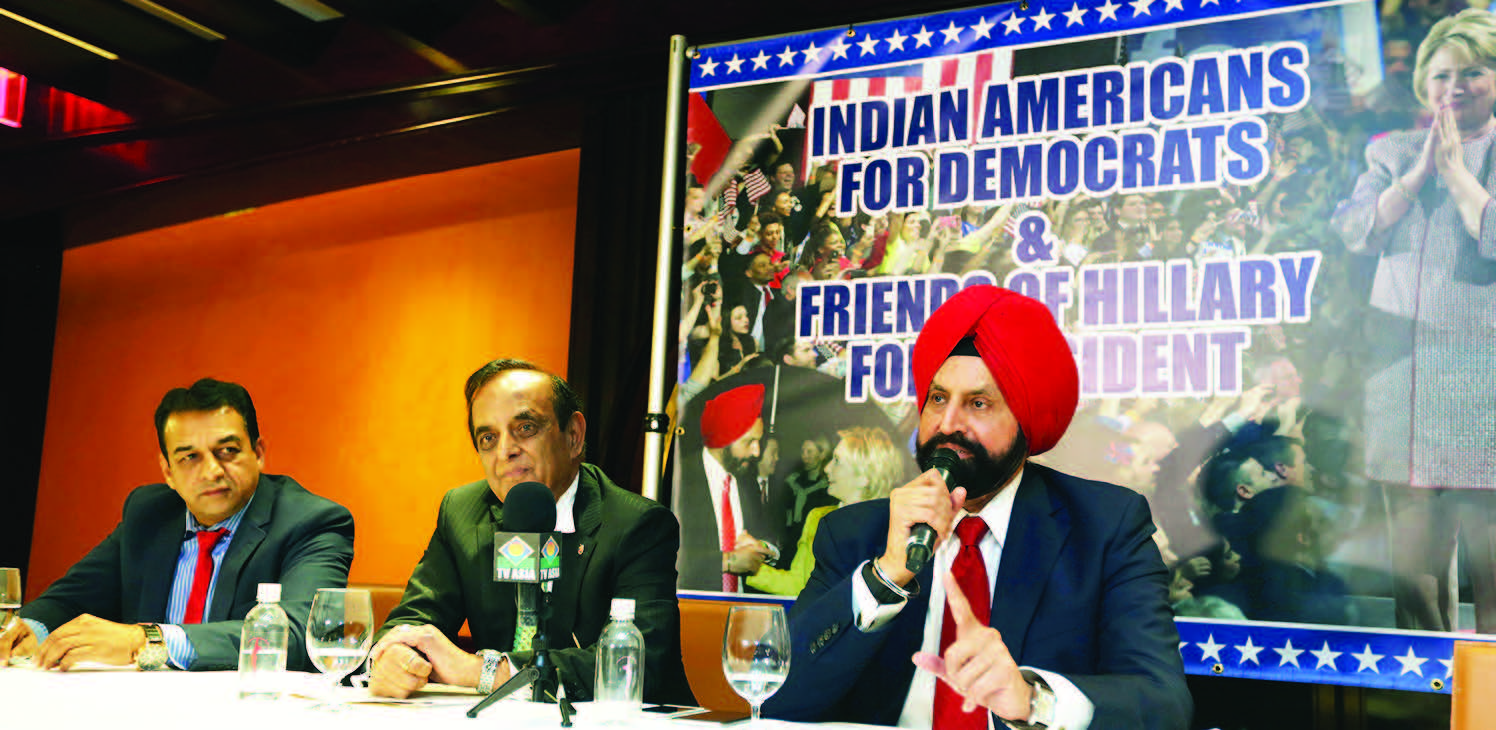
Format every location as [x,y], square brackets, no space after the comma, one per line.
[316,553]
[93,585]
[1139,679]
[433,594]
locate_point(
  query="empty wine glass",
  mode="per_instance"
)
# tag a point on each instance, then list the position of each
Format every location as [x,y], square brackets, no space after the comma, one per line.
[338,633]
[756,652]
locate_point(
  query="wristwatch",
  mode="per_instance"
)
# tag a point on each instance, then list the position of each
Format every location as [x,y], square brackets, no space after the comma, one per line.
[152,656]
[491,661]
[1041,705]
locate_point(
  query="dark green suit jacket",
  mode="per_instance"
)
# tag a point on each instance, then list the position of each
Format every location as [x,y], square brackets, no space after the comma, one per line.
[624,547]
[288,536]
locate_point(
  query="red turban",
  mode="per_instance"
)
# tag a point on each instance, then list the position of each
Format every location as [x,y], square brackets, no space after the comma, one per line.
[727,417]
[1023,348]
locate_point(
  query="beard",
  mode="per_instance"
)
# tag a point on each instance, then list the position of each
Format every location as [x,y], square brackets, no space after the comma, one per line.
[736,466]
[981,474]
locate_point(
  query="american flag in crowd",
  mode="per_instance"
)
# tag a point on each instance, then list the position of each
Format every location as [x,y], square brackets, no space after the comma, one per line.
[971,71]
[754,183]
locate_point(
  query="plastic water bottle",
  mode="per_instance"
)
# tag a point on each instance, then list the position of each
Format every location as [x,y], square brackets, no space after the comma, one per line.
[619,689]
[262,647]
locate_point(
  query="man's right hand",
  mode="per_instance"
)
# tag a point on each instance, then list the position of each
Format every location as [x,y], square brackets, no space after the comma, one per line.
[746,557]
[410,656]
[16,641]
[924,501]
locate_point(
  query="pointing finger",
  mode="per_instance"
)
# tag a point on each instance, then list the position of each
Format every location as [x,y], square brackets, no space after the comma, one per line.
[960,607]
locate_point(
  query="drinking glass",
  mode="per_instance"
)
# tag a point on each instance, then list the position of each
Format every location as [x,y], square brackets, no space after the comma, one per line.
[10,595]
[756,652]
[338,633]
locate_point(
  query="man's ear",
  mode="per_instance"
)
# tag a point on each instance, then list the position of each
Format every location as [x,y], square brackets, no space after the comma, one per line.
[576,434]
[1244,492]
[259,450]
[165,467]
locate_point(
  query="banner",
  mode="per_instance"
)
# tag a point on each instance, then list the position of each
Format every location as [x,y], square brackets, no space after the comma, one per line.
[1264,227]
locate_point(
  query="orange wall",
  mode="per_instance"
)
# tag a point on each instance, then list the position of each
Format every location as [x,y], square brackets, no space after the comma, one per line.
[352,317]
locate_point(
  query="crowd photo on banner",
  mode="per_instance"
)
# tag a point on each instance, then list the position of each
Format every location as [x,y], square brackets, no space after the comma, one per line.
[1311,415]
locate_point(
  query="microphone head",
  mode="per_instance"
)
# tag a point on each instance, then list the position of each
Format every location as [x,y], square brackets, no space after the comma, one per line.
[946,460]
[529,507]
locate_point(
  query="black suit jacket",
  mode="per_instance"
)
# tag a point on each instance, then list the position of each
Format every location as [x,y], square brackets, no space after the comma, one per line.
[1080,591]
[701,544]
[288,536]
[624,547]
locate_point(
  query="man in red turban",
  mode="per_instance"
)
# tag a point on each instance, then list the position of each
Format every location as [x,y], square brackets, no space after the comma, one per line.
[1045,601]
[716,546]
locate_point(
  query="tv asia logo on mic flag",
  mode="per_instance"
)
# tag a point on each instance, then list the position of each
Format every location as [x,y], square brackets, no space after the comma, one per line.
[526,557]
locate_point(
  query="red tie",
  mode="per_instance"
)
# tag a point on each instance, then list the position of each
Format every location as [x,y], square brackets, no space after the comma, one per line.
[202,575]
[768,295]
[729,533]
[971,574]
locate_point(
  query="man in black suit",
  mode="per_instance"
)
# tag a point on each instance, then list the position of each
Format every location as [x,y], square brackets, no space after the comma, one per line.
[1045,602]
[217,526]
[527,426]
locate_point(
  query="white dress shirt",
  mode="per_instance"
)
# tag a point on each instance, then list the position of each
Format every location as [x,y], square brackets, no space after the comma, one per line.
[1073,710]
[715,473]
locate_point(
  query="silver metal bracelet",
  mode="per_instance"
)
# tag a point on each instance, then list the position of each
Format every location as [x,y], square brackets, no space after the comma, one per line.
[491,661]
[885,580]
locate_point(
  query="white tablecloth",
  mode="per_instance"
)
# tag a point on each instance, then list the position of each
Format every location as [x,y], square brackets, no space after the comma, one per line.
[210,700]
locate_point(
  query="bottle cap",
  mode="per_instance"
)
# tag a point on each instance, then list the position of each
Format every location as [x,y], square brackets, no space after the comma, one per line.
[623,609]
[269,593]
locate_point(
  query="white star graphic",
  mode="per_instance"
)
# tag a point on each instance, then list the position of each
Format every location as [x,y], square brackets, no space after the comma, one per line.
[1448,667]
[983,29]
[1203,3]
[787,58]
[1140,7]
[708,67]
[1013,24]
[735,64]
[1249,652]
[1042,18]
[1173,5]
[896,41]
[1326,657]
[1108,10]
[869,46]
[812,53]
[1410,663]
[922,38]
[838,49]
[1210,648]
[1368,660]
[761,61]
[1183,644]
[1075,15]
[952,32]
[1287,654]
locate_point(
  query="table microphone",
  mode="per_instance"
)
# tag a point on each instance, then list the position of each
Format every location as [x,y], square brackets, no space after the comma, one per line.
[921,543]
[529,507]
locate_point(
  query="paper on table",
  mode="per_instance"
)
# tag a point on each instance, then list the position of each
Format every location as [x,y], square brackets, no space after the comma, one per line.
[26,662]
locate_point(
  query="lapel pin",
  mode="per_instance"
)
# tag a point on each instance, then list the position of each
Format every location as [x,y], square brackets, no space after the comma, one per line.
[581,548]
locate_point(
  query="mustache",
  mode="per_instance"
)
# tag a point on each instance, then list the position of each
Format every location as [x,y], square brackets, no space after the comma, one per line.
[954,439]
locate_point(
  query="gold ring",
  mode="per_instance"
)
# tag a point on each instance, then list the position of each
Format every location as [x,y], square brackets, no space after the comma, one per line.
[406,664]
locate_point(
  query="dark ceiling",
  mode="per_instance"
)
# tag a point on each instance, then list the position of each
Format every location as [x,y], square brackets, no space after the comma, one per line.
[125,94]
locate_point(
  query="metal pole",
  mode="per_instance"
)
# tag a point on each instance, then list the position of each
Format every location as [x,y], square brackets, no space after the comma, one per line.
[664,277]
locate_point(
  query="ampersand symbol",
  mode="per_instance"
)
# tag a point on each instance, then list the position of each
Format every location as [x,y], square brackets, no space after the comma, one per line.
[1033,244]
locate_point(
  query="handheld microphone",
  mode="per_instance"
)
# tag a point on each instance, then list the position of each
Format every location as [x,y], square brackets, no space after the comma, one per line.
[921,544]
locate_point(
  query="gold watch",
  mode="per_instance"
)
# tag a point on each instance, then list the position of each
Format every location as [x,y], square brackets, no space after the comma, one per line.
[152,656]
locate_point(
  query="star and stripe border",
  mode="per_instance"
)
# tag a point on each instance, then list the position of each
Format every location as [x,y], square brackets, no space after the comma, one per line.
[1417,661]
[866,47]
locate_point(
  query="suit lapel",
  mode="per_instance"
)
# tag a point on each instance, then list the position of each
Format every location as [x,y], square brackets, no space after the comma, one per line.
[250,534]
[576,553]
[496,599]
[1036,532]
[158,566]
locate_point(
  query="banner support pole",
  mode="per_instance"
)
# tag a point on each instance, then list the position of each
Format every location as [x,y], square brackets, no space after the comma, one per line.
[669,177]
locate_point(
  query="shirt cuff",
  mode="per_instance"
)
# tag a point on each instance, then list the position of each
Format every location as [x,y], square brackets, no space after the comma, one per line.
[1072,708]
[868,614]
[178,649]
[1233,422]
[38,629]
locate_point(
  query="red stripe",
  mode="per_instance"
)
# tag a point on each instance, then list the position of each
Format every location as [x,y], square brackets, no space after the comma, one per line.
[948,70]
[913,84]
[877,87]
[841,89]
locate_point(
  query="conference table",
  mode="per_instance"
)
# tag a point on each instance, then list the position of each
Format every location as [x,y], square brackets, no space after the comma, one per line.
[210,700]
